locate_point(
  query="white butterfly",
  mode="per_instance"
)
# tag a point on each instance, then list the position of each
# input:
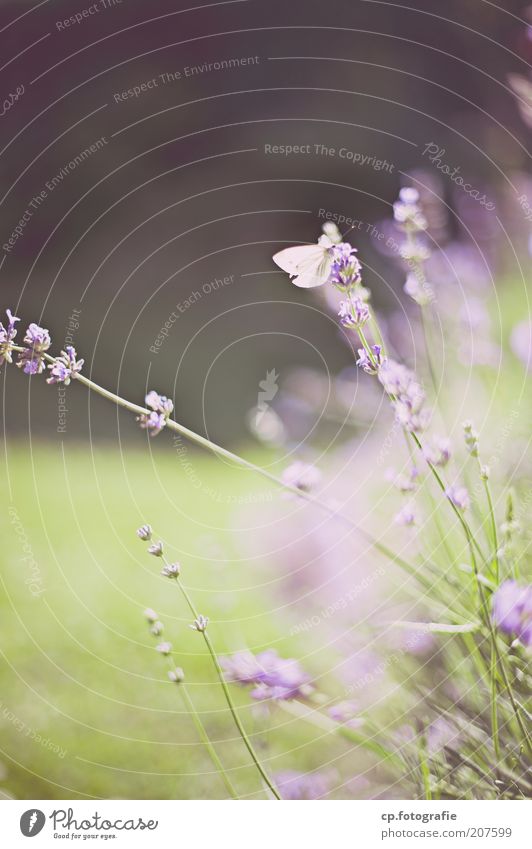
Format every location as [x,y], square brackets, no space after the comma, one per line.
[309,265]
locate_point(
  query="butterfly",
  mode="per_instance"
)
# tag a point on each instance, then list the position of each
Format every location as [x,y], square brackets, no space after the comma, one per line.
[309,265]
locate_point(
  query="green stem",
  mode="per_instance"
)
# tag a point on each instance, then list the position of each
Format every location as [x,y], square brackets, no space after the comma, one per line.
[242,731]
[319,720]
[202,734]
[493,705]
[493,522]
[239,461]
[204,737]
[473,545]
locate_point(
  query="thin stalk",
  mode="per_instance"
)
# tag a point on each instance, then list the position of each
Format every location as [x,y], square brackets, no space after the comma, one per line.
[493,522]
[204,737]
[473,545]
[432,371]
[207,444]
[202,734]
[493,705]
[425,772]
[319,720]
[227,693]
[237,719]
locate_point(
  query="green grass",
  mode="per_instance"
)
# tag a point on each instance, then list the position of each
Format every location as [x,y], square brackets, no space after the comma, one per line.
[78,666]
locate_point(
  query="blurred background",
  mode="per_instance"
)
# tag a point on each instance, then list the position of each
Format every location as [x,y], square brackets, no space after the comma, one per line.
[154,157]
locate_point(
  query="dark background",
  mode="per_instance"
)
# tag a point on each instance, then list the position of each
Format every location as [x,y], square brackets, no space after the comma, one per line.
[185,194]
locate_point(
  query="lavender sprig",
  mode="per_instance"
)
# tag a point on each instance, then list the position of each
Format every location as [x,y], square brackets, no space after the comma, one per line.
[177,676]
[200,624]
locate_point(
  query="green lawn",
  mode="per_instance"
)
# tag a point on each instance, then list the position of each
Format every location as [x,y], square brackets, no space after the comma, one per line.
[86,710]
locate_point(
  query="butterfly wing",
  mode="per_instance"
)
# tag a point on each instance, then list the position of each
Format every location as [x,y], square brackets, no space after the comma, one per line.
[309,265]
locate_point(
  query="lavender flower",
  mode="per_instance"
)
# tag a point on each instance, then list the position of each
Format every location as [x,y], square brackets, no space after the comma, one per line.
[144,533]
[177,676]
[353,313]
[171,570]
[156,549]
[157,629]
[439,453]
[406,516]
[7,336]
[395,378]
[164,648]
[345,713]
[345,268]
[200,624]
[302,476]
[471,439]
[367,364]
[418,290]
[512,611]
[66,367]
[459,496]
[159,403]
[404,482]
[484,472]
[162,409]
[300,786]
[150,615]
[414,252]
[274,677]
[441,734]
[407,211]
[408,398]
[32,359]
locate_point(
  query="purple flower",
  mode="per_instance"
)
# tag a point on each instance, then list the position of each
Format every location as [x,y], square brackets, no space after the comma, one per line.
[404,482]
[406,516]
[512,610]
[144,533]
[161,407]
[418,290]
[345,713]
[32,359]
[38,338]
[441,734]
[408,398]
[407,211]
[200,624]
[302,476]
[414,252]
[299,786]
[152,422]
[274,677]
[395,378]
[171,570]
[164,648]
[366,364]
[353,313]
[176,675]
[7,335]
[459,496]
[66,367]
[345,268]
[439,453]
[159,403]
[471,438]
